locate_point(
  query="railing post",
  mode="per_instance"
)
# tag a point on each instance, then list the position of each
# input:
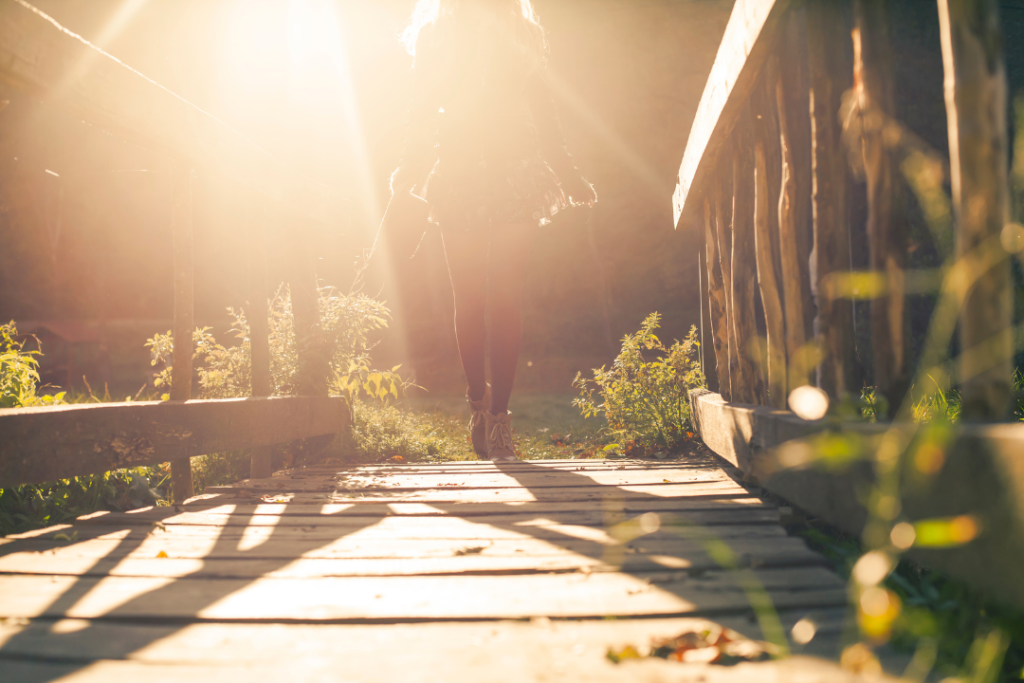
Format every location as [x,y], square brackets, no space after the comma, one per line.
[975,84]
[833,324]
[723,221]
[789,251]
[312,378]
[259,325]
[766,185]
[184,324]
[744,262]
[872,75]
[716,300]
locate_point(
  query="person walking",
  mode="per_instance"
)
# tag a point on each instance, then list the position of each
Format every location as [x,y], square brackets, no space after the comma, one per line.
[484,148]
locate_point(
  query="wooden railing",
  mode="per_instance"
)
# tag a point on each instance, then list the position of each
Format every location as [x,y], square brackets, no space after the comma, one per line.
[764,183]
[49,63]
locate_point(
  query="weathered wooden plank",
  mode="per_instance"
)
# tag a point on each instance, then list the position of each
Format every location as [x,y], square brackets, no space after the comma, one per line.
[765,242]
[503,652]
[181,370]
[313,504]
[789,252]
[41,444]
[386,529]
[527,478]
[716,298]
[748,39]
[363,516]
[744,264]
[982,475]
[577,494]
[723,219]
[433,597]
[388,558]
[887,232]
[826,39]
[49,62]
[311,346]
[975,84]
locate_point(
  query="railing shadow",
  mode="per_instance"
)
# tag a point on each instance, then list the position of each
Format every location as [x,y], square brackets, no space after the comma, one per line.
[74,647]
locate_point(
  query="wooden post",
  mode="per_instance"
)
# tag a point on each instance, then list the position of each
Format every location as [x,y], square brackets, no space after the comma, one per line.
[723,223]
[314,366]
[872,75]
[765,242]
[833,325]
[181,368]
[975,85]
[744,261]
[716,302]
[788,250]
[259,325]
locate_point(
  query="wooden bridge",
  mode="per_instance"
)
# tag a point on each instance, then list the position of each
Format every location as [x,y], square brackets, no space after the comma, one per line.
[530,570]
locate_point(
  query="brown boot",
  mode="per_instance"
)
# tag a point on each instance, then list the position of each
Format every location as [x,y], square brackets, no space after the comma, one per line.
[477,422]
[499,438]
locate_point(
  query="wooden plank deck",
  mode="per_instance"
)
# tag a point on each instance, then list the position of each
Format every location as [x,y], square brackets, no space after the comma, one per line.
[463,571]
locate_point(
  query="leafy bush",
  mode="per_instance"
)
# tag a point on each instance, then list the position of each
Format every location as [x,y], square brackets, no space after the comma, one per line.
[30,506]
[347,321]
[645,401]
[19,373]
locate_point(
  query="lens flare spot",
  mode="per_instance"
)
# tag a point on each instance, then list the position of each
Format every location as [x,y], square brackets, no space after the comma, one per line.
[804,631]
[903,535]
[809,403]
[872,568]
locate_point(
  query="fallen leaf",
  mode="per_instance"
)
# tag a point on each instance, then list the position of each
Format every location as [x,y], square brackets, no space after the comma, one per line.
[473,550]
[161,554]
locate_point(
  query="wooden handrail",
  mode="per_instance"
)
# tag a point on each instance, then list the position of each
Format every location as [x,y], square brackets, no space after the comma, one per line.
[49,62]
[748,38]
[43,444]
[982,475]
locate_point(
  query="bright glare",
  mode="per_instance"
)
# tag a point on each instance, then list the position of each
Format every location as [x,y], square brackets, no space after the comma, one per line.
[804,631]
[313,32]
[872,568]
[809,403]
[903,535]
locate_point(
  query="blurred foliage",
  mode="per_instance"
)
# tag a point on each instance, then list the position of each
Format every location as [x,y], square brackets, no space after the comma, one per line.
[19,373]
[646,402]
[346,323]
[934,611]
[31,506]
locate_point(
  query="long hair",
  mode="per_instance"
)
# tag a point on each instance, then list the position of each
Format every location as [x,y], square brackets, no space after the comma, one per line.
[519,16]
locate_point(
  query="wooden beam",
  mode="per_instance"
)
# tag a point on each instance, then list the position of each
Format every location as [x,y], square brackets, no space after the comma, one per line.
[43,444]
[747,41]
[765,243]
[979,473]
[259,324]
[826,35]
[716,301]
[972,55]
[887,233]
[793,299]
[181,368]
[744,265]
[42,58]
[723,220]
[314,365]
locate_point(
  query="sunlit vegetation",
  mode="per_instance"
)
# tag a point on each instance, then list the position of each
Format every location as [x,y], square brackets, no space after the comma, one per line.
[934,617]
[644,399]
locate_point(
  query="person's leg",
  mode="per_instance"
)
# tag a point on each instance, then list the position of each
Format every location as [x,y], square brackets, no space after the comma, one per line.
[467,267]
[511,246]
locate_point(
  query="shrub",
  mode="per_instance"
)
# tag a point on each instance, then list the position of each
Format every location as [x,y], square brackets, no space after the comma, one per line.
[645,402]
[19,373]
[347,321]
